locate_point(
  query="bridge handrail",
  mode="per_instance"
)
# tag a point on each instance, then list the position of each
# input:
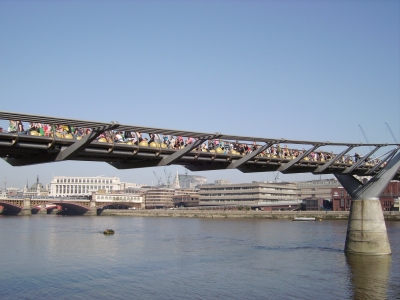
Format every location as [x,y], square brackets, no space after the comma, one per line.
[209,142]
[93,124]
[345,159]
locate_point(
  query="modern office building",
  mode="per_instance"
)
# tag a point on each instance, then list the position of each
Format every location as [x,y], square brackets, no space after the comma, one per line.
[187,191]
[316,189]
[159,198]
[186,197]
[255,194]
[133,200]
[185,200]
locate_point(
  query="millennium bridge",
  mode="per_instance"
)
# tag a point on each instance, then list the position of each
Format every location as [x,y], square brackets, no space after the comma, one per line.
[52,139]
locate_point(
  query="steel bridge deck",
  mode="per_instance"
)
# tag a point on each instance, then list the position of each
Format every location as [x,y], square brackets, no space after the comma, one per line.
[20,149]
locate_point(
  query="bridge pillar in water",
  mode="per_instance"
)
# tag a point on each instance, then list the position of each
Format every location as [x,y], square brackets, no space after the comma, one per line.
[92,211]
[43,210]
[26,208]
[366,229]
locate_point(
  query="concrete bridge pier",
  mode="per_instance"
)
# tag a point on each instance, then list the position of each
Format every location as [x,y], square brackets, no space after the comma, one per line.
[366,229]
[92,211]
[26,209]
[43,210]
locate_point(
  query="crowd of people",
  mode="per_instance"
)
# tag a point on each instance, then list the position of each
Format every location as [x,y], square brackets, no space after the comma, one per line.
[45,129]
[178,142]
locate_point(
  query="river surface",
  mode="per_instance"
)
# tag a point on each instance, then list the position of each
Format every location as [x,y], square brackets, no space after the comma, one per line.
[55,257]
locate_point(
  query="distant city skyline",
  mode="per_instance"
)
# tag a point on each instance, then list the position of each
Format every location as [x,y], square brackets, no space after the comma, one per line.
[272,178]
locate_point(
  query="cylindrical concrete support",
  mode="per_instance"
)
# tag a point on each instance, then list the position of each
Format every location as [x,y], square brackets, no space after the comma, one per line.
[366,229]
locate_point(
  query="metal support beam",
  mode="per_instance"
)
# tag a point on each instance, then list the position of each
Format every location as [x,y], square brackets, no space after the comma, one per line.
[249,156]
[206,167]
[32,160]
[350,184]
[374,187]
[361,161]
[286,166]
[322,168]
[134,165]
[81,144]
[178,154]
[388,157]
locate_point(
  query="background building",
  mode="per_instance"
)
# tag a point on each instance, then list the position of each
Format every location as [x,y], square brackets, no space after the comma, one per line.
[316,188]
[256,194]
[222,182]
[185,200]
[342,200]
[36,190]
[191,181]
[315,204]
[396,205]
[159,198]
[61,186]
[120,200]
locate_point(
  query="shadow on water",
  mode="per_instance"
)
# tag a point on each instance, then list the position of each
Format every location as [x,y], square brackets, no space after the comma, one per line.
[10,212]
[71,212]
[369,275]
[278,248]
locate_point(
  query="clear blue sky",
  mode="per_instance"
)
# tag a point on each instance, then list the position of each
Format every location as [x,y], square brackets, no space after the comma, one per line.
[310,70]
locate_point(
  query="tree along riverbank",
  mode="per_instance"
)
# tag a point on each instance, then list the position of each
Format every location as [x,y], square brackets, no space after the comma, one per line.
[191,213]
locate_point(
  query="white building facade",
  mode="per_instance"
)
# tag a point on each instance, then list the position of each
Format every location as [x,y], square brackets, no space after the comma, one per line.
[248,194]
[63,186]
[128,199]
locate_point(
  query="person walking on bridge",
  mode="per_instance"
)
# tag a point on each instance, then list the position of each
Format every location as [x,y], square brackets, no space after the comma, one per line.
[12,127]
[279,150]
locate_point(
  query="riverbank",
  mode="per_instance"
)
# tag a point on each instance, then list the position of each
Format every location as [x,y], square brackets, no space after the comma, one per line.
[181,213]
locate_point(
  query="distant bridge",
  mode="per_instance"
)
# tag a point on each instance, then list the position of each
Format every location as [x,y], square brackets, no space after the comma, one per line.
[25,206]
[98,141]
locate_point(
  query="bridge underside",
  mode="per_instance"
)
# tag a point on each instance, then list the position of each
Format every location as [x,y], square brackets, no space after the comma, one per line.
[30,150]
[10,209]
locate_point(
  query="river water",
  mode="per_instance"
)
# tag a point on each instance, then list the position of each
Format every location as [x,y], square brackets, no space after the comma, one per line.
[55,257]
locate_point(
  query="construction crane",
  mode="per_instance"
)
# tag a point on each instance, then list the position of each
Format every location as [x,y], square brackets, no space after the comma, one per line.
[158,179]
[391,132]
[365,136]
[167,177]
[277,177]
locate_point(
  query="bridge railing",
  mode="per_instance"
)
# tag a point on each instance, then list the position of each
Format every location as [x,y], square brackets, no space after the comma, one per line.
[24,130]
